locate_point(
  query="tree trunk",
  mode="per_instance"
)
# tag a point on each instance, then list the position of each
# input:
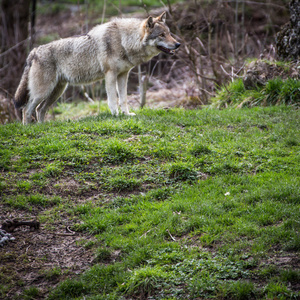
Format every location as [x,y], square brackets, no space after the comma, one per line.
[14,33]
[288,39]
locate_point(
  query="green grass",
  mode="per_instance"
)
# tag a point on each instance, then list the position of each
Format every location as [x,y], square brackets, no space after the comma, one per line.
[182,204]
[275,92]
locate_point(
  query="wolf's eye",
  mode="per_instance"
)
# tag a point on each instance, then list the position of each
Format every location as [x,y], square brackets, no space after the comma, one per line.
[162,35]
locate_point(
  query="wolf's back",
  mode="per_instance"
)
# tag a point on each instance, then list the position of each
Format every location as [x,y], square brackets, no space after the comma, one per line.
[22,95]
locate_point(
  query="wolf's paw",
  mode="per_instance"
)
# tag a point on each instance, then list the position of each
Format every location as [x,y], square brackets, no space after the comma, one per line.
[129,114]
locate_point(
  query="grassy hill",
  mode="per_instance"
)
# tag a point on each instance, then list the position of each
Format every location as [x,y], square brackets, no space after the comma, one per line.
[170,204]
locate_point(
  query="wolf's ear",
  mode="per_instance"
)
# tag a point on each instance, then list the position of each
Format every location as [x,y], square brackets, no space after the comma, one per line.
[150,22]
[162,17]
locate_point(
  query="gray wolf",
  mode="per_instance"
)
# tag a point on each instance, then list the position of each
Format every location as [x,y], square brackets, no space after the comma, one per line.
[108,51]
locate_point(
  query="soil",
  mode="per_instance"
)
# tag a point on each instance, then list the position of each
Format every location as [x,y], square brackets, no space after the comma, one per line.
[41,258]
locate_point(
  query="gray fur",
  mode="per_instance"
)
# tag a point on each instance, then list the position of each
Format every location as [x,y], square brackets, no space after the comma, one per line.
[108,51]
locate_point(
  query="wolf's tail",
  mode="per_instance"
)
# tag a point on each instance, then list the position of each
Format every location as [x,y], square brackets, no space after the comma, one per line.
[22,94]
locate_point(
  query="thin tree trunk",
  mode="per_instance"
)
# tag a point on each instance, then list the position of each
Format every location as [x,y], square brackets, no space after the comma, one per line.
[14,42]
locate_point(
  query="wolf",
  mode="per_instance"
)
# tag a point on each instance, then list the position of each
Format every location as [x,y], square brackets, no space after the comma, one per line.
[107,51]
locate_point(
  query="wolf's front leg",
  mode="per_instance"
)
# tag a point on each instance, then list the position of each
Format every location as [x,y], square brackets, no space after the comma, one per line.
[122,89]
[111,89]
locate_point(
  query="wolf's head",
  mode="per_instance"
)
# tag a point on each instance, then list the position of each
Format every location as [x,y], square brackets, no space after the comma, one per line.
[157,34]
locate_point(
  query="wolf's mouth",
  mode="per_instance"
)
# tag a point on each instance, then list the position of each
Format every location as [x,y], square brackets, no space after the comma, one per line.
[166,50]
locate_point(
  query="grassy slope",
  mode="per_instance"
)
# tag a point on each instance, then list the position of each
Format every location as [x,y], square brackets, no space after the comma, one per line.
[183,204]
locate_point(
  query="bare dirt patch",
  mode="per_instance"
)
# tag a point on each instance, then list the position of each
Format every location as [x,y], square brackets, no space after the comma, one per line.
[42,259]
[285,260]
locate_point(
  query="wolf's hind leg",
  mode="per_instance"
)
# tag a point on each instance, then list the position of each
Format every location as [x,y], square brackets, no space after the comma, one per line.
[29,109]
[41,83]
[111,89]
[55,94]
[122,89]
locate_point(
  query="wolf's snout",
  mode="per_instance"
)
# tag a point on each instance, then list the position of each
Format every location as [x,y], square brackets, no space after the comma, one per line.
[177,45]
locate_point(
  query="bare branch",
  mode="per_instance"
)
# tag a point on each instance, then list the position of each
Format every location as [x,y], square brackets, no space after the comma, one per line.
[13,47]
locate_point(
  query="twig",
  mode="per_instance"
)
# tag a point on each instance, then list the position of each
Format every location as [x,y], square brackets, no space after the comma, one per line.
[63,234]
[143,83]
[69,230]
[86,94]
[153,69]
[13,47]
[103,12]
[229,41]
[145,234]
[206,91]
[241,68]
[145,7]
[6,92]
[171,235]
[5,67]
[232,75]
[200,43]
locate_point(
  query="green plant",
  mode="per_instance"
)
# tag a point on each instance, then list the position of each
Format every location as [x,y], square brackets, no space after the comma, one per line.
[24,201]
[290,275]
[53,273]
[31,293]
[144,281]
[182,172]
[24,185]
[53,170]
[103,255]
[118,152]
[199,150]
[277,290]
[2,185]
[122,184]
[240,290]
[69,289]
[275,92]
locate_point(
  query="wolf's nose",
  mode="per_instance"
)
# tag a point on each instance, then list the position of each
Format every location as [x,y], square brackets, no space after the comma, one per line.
[177,45]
